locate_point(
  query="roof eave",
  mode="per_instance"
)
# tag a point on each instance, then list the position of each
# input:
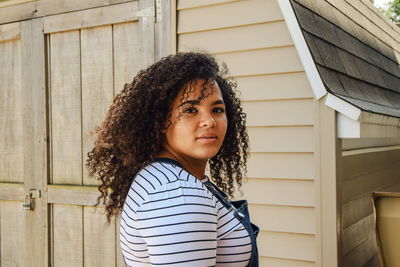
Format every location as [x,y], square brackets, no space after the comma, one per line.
[304,53]
[369,125]
[352,122]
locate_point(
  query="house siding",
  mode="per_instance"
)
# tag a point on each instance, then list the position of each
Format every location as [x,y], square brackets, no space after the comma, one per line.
[363,172]
[251,37]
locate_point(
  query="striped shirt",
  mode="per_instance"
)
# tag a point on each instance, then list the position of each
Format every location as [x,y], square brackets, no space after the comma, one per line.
[171,219]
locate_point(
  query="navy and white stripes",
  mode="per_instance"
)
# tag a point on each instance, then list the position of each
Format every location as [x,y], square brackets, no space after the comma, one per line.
[171,219]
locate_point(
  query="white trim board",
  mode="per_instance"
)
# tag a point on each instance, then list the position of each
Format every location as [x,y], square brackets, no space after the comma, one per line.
[352,121]
[369,150]
[302,49]
[385,127]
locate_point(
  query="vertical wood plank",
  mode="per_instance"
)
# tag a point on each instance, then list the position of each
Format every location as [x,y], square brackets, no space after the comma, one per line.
[97,84]
[120,260]
[34,136]
[99,248]
[126,40]
[67,236]
[11,233]
[66,107]
[11,146]
[162,31]
[147,35]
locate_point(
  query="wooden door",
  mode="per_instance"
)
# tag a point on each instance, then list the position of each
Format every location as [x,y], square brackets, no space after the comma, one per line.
[58,76]
[91,55]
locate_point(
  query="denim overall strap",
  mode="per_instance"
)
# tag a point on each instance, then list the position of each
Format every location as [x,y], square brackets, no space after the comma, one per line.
[242,214]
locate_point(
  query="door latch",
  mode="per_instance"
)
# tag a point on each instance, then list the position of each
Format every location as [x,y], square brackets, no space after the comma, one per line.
[28,203]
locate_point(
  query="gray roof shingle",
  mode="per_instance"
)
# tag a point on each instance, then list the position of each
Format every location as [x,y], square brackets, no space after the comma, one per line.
[354,64]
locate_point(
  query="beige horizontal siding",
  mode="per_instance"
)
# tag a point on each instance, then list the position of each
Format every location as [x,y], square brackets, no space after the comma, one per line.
[274,86]
[279,113]
[238,38]
[286,219]
[279,192]
[240,13]
[275,165]
[196,3]
[262,61]
[289,246]
[279,262]
[251,37]
[281,139]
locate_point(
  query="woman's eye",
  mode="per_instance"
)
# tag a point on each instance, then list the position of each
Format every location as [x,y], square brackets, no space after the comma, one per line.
[189,110]
[219,110]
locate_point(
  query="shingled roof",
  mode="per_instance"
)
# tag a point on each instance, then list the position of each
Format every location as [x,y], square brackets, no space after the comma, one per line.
[356,52]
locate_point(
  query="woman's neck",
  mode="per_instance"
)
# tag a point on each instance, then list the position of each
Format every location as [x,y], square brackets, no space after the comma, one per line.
[194,166]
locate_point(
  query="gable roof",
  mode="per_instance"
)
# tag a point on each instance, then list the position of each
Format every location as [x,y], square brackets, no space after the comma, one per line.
[356,53]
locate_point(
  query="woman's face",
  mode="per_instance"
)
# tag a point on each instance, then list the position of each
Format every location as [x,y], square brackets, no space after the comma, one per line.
[198,127]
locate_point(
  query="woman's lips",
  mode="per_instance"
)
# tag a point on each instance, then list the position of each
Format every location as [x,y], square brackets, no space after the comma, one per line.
[207,139]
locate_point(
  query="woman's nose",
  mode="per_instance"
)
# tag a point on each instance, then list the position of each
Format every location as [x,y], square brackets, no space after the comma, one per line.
[208,121]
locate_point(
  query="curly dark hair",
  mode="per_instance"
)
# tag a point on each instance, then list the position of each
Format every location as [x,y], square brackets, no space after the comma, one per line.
[133,130]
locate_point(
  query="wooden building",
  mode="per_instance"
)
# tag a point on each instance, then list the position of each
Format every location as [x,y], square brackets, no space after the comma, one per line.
[320,82]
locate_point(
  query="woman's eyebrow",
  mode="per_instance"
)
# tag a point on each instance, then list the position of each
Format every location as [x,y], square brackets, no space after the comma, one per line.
[218,102]
[196,102]
[191,102]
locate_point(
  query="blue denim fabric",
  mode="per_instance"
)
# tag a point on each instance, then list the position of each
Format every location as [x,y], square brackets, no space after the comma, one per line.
[242,214]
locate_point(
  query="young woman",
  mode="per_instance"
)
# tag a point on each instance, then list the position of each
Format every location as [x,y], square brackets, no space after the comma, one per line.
[151,154]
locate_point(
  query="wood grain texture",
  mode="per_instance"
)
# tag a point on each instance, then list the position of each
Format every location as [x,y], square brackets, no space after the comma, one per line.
[364,174]
[5,3]
[281,166]
[49,7]
[10,31]
[11,233]
[11,110]
[67,236]
[356,209]
[35,135]
[260,10]
[281,139]
[99,248]
[263,61]
[97,84]
[146,24]
[358,233]
[279,112]
[237,38]
[362,253]
[126,49]
[278,192]
[66,107]
[91,17]
[274,86]
[375,181]
[74,195]
[163,30]
[11,191]
[362,164]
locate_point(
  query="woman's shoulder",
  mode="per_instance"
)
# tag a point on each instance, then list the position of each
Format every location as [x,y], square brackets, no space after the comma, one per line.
[164,184]
[162,176]
[159,174]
